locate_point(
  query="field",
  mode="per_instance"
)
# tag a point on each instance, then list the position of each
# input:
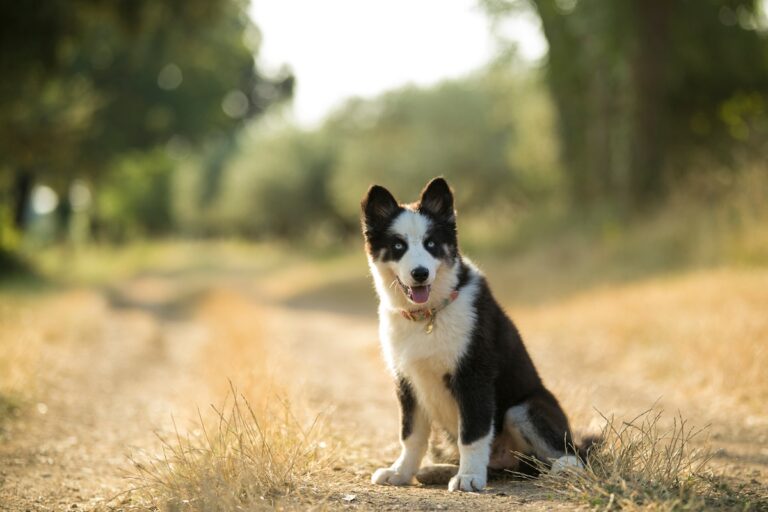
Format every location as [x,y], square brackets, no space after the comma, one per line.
[106,381]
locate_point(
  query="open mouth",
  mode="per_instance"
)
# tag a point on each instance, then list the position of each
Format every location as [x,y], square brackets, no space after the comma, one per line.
[416,294]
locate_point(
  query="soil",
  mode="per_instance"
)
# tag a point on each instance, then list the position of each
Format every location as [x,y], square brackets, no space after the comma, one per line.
[138,372]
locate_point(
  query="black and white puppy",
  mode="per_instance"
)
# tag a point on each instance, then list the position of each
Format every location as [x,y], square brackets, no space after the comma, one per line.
[458,360]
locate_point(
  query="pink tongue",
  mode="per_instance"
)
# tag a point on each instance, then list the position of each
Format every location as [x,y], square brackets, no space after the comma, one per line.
[420,294]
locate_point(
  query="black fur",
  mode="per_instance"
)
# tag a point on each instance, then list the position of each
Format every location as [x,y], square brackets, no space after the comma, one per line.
[407,407]
[463,275]
[379,211]
[497,373]
[436,203]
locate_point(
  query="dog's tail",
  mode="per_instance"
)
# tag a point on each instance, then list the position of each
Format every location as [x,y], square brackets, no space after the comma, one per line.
[587,444]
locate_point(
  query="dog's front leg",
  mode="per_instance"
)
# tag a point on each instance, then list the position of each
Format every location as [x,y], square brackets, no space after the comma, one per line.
[475,399]
[414,438]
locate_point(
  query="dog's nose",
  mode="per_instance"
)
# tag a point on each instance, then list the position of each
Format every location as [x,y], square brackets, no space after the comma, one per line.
[420,274]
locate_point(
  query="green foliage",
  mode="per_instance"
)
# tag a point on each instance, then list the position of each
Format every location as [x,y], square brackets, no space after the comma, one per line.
[646,89]
[465,130]
[133,200]
[472,131]
[490,134]
[278,186]
[87,85]
[102,80]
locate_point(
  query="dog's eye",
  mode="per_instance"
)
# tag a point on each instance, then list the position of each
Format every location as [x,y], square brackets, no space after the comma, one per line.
[430,244]
[398,246]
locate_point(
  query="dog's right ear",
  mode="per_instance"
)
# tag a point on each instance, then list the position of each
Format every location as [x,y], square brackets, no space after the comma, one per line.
[378,206]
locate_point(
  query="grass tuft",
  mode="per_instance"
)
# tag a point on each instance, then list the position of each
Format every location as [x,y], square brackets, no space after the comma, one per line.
[639,464]
[246,459]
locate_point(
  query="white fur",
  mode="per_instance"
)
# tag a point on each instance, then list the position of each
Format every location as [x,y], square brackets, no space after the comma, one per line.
[412,453]
[473,465]
[425,358]
[565,463]
[518,418]
[413,227]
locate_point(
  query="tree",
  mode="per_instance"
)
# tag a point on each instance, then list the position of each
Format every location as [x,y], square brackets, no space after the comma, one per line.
[86,81]
[643,84]
[461,129]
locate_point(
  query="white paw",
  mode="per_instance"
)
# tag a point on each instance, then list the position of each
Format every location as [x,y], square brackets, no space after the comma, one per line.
[566,463]
[389,476]
[466,482]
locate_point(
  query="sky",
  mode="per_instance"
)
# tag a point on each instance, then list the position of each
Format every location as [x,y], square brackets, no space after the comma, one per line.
[343,48]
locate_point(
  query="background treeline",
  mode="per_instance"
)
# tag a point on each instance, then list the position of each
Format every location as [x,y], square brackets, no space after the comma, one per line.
[98,96]
[287,182]
[145,118]
[648,90]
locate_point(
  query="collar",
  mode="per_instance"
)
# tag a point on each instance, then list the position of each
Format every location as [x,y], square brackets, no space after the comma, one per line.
[417,315]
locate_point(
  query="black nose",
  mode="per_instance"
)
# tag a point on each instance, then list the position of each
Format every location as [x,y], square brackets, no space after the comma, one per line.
[420,274]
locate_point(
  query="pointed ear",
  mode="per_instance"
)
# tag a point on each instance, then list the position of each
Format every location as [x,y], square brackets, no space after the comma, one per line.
[437,199]
[378,206]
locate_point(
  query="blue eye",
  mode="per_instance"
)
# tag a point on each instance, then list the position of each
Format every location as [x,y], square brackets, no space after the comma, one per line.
[430,244]
[398,246]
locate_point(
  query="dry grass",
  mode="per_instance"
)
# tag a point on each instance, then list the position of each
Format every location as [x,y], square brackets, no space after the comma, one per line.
[19,354]
[244,460]
[698,339]
[36,332]
[259,450]
[665,335]
[658,310]
[640,464]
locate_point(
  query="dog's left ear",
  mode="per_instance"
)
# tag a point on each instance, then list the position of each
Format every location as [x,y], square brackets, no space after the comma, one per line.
[437,199]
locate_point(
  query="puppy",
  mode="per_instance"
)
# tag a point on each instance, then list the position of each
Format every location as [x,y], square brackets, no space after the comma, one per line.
[458,361]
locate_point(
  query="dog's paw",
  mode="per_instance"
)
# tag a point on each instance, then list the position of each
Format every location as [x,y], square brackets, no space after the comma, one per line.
[467,482]
[389,476]
[566,463]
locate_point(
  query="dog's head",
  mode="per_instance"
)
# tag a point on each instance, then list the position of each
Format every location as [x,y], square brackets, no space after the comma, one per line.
[411,247]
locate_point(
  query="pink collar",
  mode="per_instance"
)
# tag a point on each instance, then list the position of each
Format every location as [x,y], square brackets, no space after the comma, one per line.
[417,315]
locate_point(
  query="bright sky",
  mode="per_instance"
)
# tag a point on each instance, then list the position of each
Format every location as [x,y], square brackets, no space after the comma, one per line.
[343,48]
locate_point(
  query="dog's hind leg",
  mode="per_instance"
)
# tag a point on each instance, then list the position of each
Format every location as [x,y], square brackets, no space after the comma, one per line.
[542,424]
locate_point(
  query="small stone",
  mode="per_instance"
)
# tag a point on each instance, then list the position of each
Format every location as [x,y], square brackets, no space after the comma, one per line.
[349,497]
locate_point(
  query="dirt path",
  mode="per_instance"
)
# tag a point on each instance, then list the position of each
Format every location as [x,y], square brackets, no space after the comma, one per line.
[342,367]
[140,365]
[110,395]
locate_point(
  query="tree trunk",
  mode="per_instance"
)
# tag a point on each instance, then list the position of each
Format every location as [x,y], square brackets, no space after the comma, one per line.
[570,91]
[22,195]
[648,77]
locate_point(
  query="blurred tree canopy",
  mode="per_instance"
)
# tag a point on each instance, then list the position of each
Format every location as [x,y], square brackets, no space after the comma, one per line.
[468,130]
[86,82]
[645,87]
[150,104]
[496,149]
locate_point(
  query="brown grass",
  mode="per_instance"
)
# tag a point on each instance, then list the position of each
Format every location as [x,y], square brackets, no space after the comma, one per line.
[668,310]
[35,332]
[697,340]
[666,335]
[243,460]
[257,450]
[639,464]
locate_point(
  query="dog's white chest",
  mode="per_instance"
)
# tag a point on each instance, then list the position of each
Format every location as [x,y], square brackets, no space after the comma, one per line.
[428,360]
